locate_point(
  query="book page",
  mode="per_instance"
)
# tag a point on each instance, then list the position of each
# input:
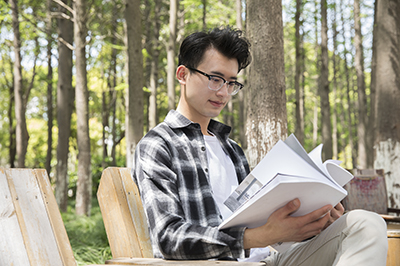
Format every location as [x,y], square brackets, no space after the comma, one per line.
[331,167]
[247,188]
[282,159]
[296,146]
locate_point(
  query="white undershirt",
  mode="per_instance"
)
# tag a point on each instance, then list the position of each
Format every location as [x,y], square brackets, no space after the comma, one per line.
[222,174]
[223,182]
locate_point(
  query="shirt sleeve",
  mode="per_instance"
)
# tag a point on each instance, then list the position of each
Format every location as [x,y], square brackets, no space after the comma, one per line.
[175,236]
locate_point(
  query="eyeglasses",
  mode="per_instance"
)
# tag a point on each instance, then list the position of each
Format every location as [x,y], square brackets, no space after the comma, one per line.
[215,83]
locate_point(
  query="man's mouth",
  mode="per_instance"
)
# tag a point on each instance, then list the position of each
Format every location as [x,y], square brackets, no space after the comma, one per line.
[216,103]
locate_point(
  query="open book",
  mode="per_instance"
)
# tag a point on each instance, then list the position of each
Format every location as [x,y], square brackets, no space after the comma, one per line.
[285,173]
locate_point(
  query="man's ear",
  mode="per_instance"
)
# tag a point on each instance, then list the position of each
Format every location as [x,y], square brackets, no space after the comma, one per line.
[181,73]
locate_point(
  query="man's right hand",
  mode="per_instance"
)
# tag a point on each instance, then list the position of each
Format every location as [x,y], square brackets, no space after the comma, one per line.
[281,227]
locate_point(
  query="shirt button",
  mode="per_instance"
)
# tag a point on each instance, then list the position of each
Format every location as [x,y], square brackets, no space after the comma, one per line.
[203,148]
[206,169]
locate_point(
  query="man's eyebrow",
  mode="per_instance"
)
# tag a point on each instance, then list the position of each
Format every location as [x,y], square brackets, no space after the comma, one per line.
[222,75]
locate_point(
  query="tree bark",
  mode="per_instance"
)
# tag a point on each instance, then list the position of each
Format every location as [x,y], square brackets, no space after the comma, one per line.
[11,129]
[173,11]
[362,97]
[65,101]
[21,135]
[134,95]
[204,15]
[299,131]
[154,66]
[372,96]
[84,184]
[324,86]
[266,119]
[49,89]
[349,108]
[387,143]
[241,95]
[334,89]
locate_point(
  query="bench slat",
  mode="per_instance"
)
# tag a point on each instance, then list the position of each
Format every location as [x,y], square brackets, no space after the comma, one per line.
[118,199]
[12,247]
[34,231]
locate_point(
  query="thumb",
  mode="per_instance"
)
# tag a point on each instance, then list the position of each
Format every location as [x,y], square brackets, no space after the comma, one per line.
[291,206]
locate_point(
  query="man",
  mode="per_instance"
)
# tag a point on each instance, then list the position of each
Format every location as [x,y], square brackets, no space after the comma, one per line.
[187,166]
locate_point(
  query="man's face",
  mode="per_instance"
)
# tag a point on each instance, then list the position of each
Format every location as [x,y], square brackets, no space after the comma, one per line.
[199,102]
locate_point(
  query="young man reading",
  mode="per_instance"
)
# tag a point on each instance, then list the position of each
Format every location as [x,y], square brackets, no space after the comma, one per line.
[187,166]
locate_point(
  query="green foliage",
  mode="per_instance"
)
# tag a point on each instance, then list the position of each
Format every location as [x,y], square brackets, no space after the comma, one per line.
[87,236]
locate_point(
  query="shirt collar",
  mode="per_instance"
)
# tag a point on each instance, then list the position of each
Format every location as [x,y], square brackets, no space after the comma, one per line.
[174,119]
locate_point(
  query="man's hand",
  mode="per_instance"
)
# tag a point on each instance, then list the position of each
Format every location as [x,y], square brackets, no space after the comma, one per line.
[281,227]
[335,214]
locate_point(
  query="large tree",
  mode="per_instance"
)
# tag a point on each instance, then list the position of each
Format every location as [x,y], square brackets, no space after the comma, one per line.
[324,85]
[65,99]
[173,21]
[362,97]
[266,118]
[297,78]
[134,95]
[387,82]
[49,31]
[84,184]
[19,95]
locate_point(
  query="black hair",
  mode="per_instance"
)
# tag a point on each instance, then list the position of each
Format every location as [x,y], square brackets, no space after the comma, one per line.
[227,41]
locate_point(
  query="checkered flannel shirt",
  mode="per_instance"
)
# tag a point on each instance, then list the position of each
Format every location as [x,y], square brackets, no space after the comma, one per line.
[171,170]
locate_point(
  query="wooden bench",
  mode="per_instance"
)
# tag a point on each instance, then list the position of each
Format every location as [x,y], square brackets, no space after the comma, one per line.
[126,224]
[31,229]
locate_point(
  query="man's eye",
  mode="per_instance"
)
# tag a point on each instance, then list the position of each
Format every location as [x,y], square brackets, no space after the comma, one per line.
[215,79]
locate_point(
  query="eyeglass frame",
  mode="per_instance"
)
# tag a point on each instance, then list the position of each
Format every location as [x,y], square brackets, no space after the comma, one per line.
[229,83]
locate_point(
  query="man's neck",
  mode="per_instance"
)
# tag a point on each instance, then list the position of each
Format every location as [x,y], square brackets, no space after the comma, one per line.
[203,121]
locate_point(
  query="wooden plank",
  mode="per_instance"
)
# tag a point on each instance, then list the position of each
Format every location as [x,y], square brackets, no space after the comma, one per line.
[137,212]
[153,261]
[12,247]
[57,224]
[34,223]
[118,222]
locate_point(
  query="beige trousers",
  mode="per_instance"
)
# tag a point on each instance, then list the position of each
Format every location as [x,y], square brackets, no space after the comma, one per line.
[358,238]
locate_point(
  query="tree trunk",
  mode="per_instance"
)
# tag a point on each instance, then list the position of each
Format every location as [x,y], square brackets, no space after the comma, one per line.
[21,130]
[84,184]
[204,15]
[113,93]
[49,89]
[241,94]
[154,66]
[134,95]
[349,108]
[372,96]
[65,99]
[299,131]
[173,11]
[334,89]
[387,143]
[324,86]
[315,111]
[362,98]
[267,116]
[11,130]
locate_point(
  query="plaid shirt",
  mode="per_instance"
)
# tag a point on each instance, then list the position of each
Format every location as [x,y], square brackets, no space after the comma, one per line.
[171,170]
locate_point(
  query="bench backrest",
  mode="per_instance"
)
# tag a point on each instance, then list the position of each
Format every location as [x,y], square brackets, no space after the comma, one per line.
[32,231]
[123,215]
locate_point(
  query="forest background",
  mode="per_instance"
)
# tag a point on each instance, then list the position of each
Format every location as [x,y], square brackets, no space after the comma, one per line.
[90,78]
